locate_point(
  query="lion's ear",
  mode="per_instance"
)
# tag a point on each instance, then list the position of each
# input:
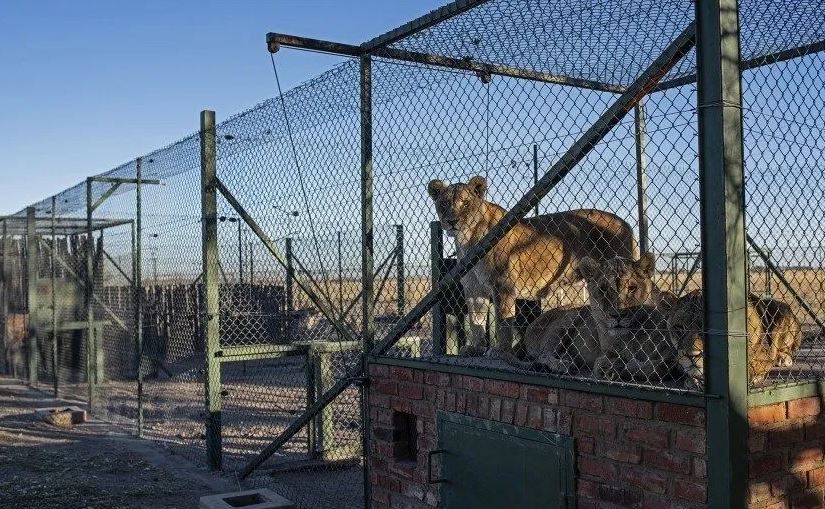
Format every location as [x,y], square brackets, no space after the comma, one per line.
[588,267]
[435,188]
[478,185]
[647,263]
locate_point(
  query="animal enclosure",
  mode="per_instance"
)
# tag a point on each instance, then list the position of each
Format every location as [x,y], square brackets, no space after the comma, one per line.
[602,201]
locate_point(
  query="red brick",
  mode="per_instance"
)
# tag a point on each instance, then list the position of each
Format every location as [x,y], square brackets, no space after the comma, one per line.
[784,437]
[379,370]
[806,458]
[460,402]
[787,485]
[689,490]
[758,491]
[649,480]
[700,468]
[680,414]
[521,413]
[388,483]
[423,409]
[564,421]
[648,436]
[757,441]
[804,407]
[402,374]
[655,502]
[584,400]
[814,430]
[629,407]
[766,463]
[534,417]
[667,460]
[767,414]
[483,405]
[621,453]
[410,391]
[550,419]
[502,388]
[401,405]
[385,387]
[380,498]
[592,425]
[472,404]
[585,445]
[597,467]
[472,383]
[810,500]
[495,409]
[543,395]
[690,441]
[621,496]
[586,489]
[508,410]
[816,477]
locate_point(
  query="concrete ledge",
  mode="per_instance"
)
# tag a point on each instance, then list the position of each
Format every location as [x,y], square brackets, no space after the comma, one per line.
[250,499]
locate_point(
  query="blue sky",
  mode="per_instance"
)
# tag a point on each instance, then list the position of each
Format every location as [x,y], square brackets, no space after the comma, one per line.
[88,85]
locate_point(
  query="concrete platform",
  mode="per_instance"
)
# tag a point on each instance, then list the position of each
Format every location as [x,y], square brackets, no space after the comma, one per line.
[251,499]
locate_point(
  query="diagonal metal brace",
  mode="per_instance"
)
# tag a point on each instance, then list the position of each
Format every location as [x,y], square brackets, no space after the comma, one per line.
[625,103]
[281,259]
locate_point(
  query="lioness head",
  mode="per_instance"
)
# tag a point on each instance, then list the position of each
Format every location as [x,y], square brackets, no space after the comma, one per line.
[458,205]
[618,283]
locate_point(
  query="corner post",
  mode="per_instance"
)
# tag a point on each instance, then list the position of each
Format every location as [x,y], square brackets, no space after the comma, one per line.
[439,315]
[137,287]
[721,185]
[211,280]
[367,256]
[640,116]
[53,280]
[32,266]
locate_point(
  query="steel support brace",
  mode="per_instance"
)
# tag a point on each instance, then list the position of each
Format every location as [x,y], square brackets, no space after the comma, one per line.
[88,278]
[724,259]
[281,259]
[32,266]
[211,280]
[675,51]
[641,175]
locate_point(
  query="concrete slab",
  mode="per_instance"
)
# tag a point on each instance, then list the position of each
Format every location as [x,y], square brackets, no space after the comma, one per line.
[250,499]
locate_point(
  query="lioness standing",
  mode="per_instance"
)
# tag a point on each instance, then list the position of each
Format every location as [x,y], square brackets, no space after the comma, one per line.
[536,256]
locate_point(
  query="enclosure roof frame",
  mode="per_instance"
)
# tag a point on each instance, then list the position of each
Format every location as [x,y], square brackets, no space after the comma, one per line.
[63,225]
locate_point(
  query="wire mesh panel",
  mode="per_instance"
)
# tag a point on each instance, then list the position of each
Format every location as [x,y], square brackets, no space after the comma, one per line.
[784,142]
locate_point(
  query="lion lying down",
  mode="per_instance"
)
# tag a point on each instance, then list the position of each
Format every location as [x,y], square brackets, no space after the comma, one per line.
[633,330]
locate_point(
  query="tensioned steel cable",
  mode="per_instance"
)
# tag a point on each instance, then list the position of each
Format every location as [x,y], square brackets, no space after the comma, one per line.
[300,177]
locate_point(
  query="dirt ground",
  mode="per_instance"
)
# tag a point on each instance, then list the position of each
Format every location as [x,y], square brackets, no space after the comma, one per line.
[93,465]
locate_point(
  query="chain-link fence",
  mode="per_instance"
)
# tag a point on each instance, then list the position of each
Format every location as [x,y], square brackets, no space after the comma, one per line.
[508,185]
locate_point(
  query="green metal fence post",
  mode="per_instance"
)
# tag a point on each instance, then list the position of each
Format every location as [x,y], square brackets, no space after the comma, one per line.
[401,278]
[367,255]
[211,281]
[91,355]
[723,249]
[137,287]
[53,278]
[5,272]
[290,296]
[32,266]
[640,117]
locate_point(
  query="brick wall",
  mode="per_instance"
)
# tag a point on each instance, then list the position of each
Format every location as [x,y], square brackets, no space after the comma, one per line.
[629,453]
[786,466]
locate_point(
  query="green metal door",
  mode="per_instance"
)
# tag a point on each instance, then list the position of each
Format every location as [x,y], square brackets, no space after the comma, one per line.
[485,464]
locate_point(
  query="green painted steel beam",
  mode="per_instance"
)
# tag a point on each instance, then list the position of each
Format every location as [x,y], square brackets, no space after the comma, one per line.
[785,392]
[32,275]
[724,259]
[211,279]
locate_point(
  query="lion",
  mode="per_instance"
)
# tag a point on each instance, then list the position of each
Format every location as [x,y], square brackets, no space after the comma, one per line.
[622,331]
[537,256]
[773,336]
